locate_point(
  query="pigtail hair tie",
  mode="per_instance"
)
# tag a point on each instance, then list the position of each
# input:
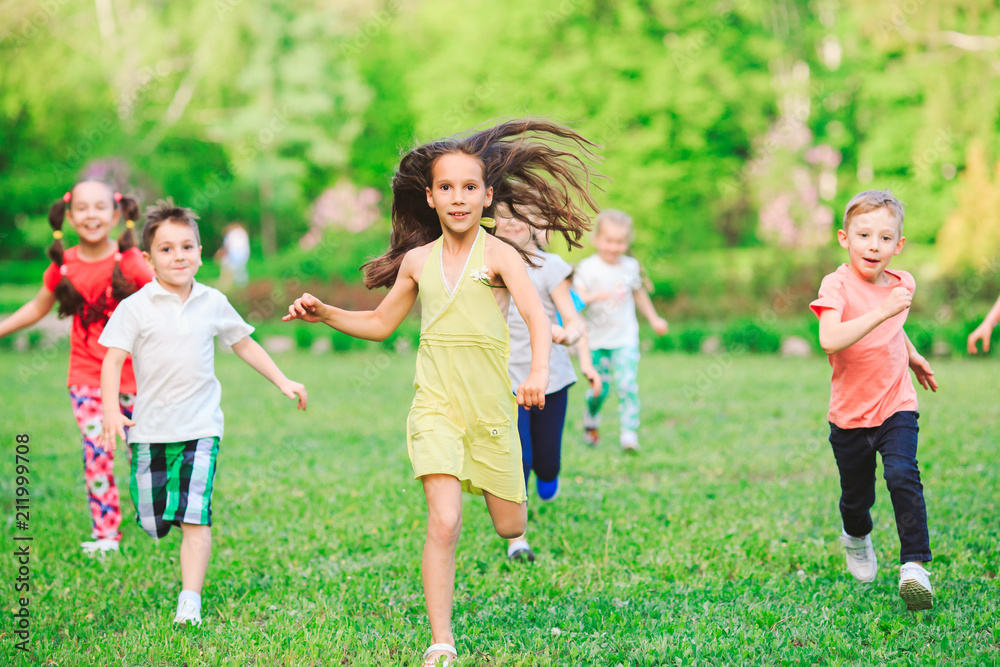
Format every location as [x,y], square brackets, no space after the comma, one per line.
[67,197]
[118,196]
[56,234]
[130,224]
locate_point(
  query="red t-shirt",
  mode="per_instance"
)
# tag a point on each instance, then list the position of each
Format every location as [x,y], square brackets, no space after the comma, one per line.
[92,280]
[871,379]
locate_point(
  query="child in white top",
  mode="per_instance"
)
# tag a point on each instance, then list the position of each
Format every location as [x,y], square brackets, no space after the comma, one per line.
[609,282]
[169,327]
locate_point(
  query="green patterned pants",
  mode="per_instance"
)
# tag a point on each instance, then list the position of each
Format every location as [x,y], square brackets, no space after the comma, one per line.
[621,365]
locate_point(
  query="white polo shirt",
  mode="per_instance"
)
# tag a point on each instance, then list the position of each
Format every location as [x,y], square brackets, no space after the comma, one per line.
[173,353]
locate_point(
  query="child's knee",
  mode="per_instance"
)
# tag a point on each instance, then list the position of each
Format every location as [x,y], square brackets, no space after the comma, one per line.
[193,532]
[445,526]
[511,525]
[905,476]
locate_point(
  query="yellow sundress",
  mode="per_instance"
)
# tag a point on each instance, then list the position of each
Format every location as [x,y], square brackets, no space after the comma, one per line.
[463,421]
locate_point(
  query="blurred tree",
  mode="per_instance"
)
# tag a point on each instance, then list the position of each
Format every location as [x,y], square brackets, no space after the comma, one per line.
[969,240]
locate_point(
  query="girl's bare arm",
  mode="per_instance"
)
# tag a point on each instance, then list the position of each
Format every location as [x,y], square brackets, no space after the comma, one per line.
[29,313]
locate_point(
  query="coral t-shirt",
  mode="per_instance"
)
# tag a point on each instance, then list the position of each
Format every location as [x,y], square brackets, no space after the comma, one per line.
[93,281]
[871,379]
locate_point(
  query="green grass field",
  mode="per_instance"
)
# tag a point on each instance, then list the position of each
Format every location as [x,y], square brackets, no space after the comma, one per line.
[717,545]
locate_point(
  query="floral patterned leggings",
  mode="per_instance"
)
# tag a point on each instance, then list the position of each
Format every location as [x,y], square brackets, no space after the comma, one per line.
[98,464]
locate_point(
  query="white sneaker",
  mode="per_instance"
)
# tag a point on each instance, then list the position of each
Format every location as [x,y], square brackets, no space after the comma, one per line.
[188,612]
[860,555]
[99,548]
[630,441]
[915,587]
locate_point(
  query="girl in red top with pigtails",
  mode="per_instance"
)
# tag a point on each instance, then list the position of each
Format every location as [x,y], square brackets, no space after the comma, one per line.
[88,280]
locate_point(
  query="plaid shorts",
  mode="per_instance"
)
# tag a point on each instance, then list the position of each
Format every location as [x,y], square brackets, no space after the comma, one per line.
[172,483]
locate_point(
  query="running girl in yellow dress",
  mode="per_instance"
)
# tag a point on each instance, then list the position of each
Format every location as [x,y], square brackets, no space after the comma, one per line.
[462,427]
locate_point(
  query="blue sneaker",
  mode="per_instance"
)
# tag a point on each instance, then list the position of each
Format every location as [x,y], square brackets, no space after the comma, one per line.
[547,491]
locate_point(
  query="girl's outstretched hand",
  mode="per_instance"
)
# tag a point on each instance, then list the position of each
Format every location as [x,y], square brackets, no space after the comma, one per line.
[307,308]
[532,390]
[980,333]
[113,429]
[293,389]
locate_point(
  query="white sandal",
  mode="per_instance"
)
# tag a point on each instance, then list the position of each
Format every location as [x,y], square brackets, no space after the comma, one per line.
[435,652]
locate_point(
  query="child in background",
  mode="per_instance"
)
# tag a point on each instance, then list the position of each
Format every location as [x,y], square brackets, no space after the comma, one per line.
[541,430]
[460,433]
[862,307]
[170,327]
[609,283]
[984,330]
[88,280]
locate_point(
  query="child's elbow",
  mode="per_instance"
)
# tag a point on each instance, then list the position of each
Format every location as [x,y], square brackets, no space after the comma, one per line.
[827,346]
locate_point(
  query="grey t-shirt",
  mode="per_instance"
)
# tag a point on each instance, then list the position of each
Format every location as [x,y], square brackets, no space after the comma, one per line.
[551,270]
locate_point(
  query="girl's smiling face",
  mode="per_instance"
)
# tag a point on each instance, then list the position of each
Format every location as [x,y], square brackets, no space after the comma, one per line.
[92,212]
[871,239]
[458,192]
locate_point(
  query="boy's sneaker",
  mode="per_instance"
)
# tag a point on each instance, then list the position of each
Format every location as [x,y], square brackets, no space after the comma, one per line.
[630,441]
[547,491]
[915,587]
[99,548]
[860,555]
[188,612]
[520,551]
[590,436]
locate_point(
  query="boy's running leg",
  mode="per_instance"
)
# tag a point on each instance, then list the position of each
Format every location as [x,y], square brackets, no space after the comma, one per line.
[897,442]
[444,524]
[625,362]
[898,445]
[196,550]
[855,456]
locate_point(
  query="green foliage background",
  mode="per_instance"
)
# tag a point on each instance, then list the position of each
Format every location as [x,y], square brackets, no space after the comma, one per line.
[247,111]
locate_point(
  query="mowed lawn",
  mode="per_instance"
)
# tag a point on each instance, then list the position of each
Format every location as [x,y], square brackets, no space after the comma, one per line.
[716,545]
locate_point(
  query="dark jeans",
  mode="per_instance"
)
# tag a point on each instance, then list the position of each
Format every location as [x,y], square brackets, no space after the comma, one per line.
[541,436]
[896,441]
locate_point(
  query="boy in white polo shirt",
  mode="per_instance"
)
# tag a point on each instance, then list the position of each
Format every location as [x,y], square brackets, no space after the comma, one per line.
[169,327]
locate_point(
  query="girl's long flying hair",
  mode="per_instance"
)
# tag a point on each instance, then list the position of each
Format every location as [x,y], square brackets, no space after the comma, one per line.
[535,167]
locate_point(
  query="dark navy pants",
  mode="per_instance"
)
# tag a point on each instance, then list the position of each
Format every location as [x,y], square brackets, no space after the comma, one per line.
[896,441]
[541,436]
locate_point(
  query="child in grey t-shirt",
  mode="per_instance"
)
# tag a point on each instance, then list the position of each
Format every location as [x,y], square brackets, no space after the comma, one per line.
[541,430]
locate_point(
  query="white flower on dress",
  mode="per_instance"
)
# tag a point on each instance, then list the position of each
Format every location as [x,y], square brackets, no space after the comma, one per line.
[481,276]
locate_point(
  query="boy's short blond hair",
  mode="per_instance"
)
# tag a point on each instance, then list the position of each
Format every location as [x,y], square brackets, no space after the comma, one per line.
[872,200]
[615,217]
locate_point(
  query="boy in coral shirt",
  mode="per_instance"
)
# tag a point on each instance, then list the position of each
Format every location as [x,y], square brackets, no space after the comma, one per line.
[862,307]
